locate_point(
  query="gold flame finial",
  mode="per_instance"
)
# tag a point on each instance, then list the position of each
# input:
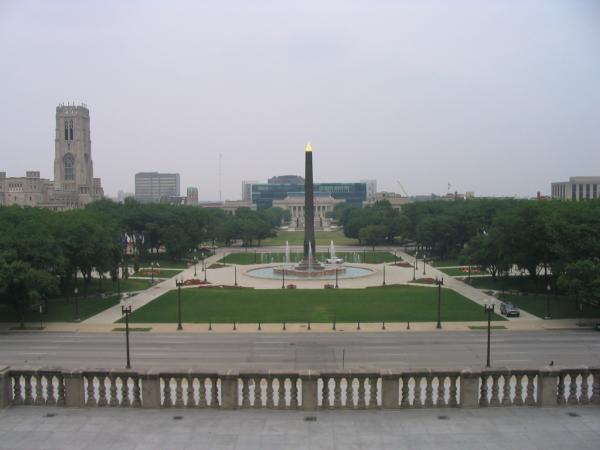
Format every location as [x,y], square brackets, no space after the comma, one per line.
[308,148]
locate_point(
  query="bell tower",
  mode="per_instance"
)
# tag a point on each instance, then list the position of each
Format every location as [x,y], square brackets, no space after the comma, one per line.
[73,167]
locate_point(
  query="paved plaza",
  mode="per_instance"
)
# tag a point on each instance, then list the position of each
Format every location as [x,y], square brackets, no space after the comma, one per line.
[111,428]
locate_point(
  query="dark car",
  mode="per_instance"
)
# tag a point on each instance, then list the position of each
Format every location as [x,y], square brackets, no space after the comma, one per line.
[509,310]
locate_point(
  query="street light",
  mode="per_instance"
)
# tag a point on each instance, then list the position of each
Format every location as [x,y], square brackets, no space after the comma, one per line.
[235,275]
[283,278]
[548,289]
[76,291]
[336,277]
[383,274]
[488,308]
[205,270]
[179,283]
[424,264]
[125,311]
[195,264]
[415,267]
[439,315]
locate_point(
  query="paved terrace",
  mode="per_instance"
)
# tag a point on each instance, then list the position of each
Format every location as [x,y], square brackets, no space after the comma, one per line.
[492,428]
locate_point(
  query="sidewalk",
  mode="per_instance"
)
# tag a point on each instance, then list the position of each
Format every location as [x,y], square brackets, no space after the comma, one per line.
[505,428]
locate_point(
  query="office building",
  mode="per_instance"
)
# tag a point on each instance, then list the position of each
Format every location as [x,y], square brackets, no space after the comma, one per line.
[151,187]
[577,188]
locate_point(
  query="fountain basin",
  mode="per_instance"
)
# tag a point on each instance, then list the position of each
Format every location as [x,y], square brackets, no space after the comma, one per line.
[325,273]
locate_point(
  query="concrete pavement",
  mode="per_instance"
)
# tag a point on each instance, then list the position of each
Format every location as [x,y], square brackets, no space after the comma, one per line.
[521,428]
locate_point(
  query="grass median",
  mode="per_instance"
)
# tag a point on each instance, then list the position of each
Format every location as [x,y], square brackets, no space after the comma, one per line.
[391,304]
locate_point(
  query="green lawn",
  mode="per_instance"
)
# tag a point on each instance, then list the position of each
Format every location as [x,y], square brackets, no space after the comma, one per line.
[59,310]
[164,273]
[561,307]
[515,283]
[321,238]
[252,257]
[416,304]
[459,272]
[107,285]
[446,263]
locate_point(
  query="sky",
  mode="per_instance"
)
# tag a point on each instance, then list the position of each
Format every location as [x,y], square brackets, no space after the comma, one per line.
[496,97]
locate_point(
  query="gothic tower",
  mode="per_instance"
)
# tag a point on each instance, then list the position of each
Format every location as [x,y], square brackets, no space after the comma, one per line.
[73,167]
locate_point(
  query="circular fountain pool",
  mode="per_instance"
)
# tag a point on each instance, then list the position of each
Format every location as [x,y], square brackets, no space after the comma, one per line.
[274,272]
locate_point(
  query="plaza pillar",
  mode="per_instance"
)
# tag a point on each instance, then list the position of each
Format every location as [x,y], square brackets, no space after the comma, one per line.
[229,389]
[469,388]
[390,390]
[310,392]
[4,387]
[150,389]
[74,393]
[548,386]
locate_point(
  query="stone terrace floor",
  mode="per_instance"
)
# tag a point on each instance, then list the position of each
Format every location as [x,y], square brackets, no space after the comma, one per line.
[112,428]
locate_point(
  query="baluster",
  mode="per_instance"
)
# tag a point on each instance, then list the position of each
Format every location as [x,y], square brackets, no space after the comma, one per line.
[51,399]
[60,390]
[102,390]
[518,401]
[125,402]
[179,392]
[113,401]
[281,397]
[441,392]
[349,392]
[584,397]
[137,400]
[371,392]
[294,392]
[91,394]
[337,392]
[270,393]
[39,392]
[530,398]
[405,401]
[202,397]
[572,399]
[17,399]
[28,396]
[190,401]
[257,392]
[453,399]
[506,390]
[417,403]
[561,389]
[483,400]
[167,392]
[325,403]
[429,390]
[246,393]
[495,401]
[596,387]
[362,404]
[214,393]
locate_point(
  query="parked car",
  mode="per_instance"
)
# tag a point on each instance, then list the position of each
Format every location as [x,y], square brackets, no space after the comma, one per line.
[509,310]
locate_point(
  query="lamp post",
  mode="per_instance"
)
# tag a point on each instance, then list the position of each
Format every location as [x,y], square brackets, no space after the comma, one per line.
[153,264]
[283,278]
[76,291]
[488,308]
[424,264]
[395,257]
[195,264]
[439,315]
[548,289]
[205,270]
[383,274]
[179,283]
[415,267]
[336,277]
[235,275]
[469,272]
[125,311]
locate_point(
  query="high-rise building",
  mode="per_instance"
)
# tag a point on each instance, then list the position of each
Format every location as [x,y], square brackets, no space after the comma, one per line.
[192,196]
[74,184]
[151,187]
[577,188]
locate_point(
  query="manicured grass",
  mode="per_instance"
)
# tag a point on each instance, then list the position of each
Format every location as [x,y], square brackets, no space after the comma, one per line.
[59,310]
[446,263]
[561,307]
[416,304]
[515,283]
[158,273]
[107,286]
[258,257]
[460,272]
[321,238]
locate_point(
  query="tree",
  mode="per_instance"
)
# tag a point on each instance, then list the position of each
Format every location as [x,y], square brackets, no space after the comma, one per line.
[582,280]
[373,235]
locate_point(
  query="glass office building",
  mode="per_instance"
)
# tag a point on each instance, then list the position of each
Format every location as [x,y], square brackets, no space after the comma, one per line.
[263,194]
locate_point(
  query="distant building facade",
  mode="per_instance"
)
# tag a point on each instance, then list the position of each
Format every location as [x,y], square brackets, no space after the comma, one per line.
[151,187]
[229,206]
[395,200]
[74,184]
[192,196]
[576,189]
[324,203]
[286,179]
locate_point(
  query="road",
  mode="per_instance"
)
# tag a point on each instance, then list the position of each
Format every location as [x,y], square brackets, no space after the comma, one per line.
[302,351]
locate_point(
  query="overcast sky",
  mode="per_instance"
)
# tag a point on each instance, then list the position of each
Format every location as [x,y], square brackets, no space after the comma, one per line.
[497,97]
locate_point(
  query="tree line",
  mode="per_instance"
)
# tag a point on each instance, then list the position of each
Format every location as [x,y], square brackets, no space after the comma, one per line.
[43,251]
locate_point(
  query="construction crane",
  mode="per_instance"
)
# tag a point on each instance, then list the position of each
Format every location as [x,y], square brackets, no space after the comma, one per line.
[403,190]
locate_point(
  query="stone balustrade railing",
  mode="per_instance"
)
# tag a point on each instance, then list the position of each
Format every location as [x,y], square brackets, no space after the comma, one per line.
[309,390]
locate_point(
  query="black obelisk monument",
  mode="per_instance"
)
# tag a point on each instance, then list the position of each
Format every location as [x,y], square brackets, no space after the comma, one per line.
[309,207]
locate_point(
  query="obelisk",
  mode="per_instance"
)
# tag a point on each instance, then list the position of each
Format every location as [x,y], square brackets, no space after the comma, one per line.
[309,206]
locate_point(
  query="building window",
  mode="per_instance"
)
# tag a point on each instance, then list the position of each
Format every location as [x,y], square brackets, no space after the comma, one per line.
[595,190]
[580,191]
[587,191]
[573,192]
[66,130]
[69,167]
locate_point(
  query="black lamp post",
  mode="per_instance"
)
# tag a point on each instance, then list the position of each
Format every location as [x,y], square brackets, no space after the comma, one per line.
[439,315]
[283,278]
[415,267]
[195,264]
[424,264]
[235,275]
[469,272]
[125,311]
[548,290]
[383,274]
[336,277]
[76,291]
[179,283]
[205,270]
[488,308]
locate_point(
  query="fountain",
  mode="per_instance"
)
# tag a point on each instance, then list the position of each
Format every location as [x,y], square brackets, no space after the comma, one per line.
[309,267]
